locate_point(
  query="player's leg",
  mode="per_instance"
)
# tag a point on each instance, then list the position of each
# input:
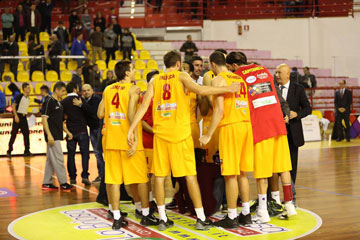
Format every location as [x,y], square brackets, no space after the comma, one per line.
[274,187]
[288,195]
[262,215]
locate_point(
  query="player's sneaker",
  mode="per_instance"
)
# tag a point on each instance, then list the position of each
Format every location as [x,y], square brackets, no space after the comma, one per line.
[72,181]
[66,187]
[227,223]
[110,214]
[274,208]
[290,211]
[138,214]
[261,216]
[254,206]
[244,220]
[86,181]
[165,225]
[172,204]
[153,207]
[97,180]
[149,220]
[119,223]
[203,225]
[49,187]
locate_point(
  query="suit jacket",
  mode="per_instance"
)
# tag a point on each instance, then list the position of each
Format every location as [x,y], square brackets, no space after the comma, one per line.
[299,103]
[37,19]
[345,101]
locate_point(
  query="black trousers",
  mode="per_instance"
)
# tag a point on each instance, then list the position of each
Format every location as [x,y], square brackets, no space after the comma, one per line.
[23,125]
[109,52]
[7,32]
[55,65]
[46,24]
[294,152]
[20,31]
[127,53]
[36,32]
[339,117]
[14,67]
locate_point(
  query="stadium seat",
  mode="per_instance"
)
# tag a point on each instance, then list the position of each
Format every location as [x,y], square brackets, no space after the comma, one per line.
[52,87]
[7,91]
[118,55]
[66,76]
[112,64]
[101,64]
[1,88]
[37,76]
[328,114]
[37,88]
[44,37]
[24,54]
[145,55]
[52,76]
[7,67]
[317,113]
[140,65]
[23,77]
[45,44]
[103,54]
[142,85]
[104,73]
[23,47]
[135,55]
[72,65]
[152,64]
[88,45]
[138,45]
[137,75]
[10,74]
[20,67]
[62,66]
[27,66]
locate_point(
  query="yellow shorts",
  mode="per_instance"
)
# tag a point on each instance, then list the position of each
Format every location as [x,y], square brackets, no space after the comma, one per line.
[149,158]
[176,157]
[236,148]
[271,156]
[119,168]
[212,146]
[195,133]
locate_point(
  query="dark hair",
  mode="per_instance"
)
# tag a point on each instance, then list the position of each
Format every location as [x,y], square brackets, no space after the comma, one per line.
[171,58]
[191,66]
[121,68]
[307,68]
[150,75]
[13,88]
[238,58]
[196,58]
[294,69]
[344,81]
[71,86]
[45,88]
[59,85]
[24,85]
[218,58]
[221,50]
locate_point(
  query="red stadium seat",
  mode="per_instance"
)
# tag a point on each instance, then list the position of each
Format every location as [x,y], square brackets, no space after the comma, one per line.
[330,115]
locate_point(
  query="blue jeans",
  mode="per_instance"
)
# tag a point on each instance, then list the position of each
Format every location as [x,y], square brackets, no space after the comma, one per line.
[96,142]
[83,140]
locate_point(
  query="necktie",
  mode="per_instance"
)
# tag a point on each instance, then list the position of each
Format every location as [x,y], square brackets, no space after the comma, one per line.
[281,89]
[341,93]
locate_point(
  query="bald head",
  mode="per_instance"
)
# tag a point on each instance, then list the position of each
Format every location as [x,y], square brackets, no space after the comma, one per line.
[87,90]
[282,74]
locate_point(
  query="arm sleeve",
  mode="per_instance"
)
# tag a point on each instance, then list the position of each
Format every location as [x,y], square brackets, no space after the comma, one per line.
[183,48]
[195,48]
[304,104]
[17,99]
[46,109]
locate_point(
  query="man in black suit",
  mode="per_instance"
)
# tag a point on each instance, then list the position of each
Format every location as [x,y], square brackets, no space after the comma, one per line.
[13,50]
[343,101]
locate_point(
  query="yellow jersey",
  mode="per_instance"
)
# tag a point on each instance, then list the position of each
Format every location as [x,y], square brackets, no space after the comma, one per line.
[116,103]
[236,105]
[193,107]
[171,108]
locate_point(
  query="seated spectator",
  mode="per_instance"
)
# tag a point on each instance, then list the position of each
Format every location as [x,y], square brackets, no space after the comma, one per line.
[100,21]
[127,44]
[109,43]
[86,20]
[77,48]
[55,50]
[63,36]
[34,21]
[14,90]
[13,50]
[109,77]
[35,50]
[73,19]
[20,23]
[7,20]
[76,78]
[97,41]
[95,77]
[79,28]
[2,102]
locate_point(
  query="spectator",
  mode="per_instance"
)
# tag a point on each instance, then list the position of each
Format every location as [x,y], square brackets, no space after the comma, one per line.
[86,20]
[109,42]
[73,19]
[90,106]
[7,20]
[343,101]
[15,91]
[197,62]
[52,119]
[45,93]
[79,28]
[95,77]
[76,123]
[20,109]
[55,50]
[45,7]
[295,76]
[3,52]
[63,36]
[86,69]
[77,48]
[20,23]
[65,6]
[112,16]
[13,51]
[76,78]
[109,77]
[118,31]
[34,21]
[2,102]
[35,50]
[127,44]
[27,5]
[100,21]
[97,41]
[308,80]
[188,48]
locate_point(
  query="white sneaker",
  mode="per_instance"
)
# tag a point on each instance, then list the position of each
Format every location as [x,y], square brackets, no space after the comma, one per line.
[261,216]
[290,211]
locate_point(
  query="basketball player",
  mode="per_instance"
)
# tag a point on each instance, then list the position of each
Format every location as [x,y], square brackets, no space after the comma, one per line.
[124,165]
[232,115]
[173,144]
[270,136]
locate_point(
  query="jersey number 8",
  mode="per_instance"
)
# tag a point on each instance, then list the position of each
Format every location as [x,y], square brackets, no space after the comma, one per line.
[166,92]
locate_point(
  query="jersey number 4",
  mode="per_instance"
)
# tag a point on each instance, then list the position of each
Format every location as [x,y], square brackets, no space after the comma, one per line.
[115,101]
[242,91]
[166,92]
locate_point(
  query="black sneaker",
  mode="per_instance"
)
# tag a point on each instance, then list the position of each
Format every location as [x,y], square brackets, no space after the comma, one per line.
[172,204]
[203,225]
[165,225]
[49,187]
[66,187]
[254,206]
[138,214]
[97,179]
[153,207]
[28,154]
[119,223]
[110,214]
[274,208]
[149,220]
[227,223]
[86,181]
[72,181]
[244,220]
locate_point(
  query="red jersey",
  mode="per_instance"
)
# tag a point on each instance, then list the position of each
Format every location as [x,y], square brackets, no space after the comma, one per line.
[148,117]
[265,111]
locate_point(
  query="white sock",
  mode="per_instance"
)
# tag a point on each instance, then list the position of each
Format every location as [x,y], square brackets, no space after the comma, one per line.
[116,214]
[276,195]
[145,211]
[200,213]
[245,208]
[151,196]
[110,208]
[232,213]
[138,206]
[162,213]
[262,201]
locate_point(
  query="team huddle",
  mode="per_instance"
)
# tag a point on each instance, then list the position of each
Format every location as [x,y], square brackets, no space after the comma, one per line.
[243,118]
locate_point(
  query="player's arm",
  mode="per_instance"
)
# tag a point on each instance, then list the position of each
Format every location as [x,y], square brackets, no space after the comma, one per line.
[205,102]
[133,101]
[207,90]
[101,109]
[146,127]
[66,130]
[218,111]
[140,112]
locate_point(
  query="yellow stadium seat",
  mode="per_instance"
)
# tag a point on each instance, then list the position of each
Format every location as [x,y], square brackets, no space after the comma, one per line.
[23,47]
[20,67]
[27,36]
[104,73]
[52,87]
[152,64]
[65,76]
[72,65]
[24,54]
[137,75]
[62,66]
[140,65]
[10,74]
[37,88]
[145,55]
[317,113]
[31,89]
[45,44]
[118,55]
[138,45]
[52,76]
[33,109]
[135,55]
[1,88]
[23,76]
[7,67]
[103,54]
[101,64]
[44,37]
[27,66]
[112,64]
[142,85]
[88,45]
[37,76]
[7,91]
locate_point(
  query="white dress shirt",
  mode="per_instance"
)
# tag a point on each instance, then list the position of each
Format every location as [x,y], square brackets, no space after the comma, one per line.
[33,19]
[285,90]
